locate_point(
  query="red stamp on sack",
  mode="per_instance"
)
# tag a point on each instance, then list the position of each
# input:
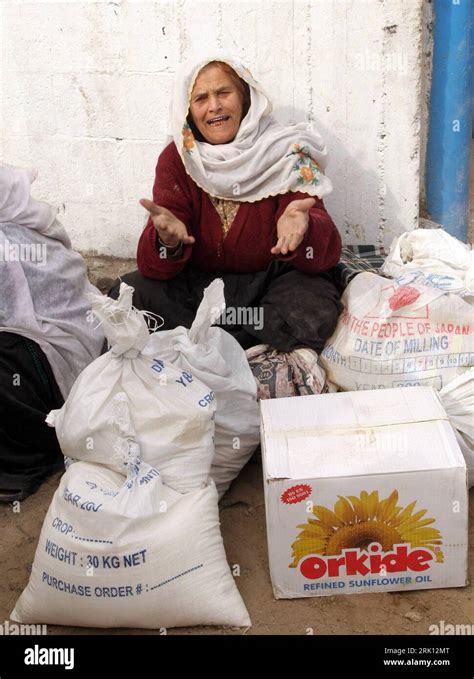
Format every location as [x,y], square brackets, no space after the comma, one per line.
[296,494]
[404,296]
[400,300]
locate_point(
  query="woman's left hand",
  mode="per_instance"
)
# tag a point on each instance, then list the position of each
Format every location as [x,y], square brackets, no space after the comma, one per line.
[292,226]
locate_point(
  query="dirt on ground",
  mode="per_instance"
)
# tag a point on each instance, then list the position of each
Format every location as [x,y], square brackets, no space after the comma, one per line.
[104,271]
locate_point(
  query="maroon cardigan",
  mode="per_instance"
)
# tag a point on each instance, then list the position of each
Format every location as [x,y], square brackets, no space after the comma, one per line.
[246,248]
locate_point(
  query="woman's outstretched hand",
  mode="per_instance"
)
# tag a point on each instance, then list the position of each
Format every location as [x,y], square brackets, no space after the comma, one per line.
[170,229]
[292,226]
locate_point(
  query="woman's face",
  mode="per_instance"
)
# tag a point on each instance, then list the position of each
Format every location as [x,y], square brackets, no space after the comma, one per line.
[216,105]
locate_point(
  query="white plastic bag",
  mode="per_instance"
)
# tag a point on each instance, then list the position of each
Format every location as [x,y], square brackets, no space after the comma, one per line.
[457,398]
[172,411]
[119,551]
[431,257]
[213,356]
[392,335]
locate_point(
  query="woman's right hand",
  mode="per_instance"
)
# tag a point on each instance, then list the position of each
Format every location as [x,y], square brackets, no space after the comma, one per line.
[171,230]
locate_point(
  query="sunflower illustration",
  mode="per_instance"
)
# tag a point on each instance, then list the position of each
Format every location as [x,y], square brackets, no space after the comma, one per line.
[358,521]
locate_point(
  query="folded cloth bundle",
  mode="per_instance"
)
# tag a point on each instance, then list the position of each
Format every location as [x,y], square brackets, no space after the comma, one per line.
[279,374]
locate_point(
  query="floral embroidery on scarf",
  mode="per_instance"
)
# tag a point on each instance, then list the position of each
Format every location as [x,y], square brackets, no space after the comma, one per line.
[308,170]
[188,138]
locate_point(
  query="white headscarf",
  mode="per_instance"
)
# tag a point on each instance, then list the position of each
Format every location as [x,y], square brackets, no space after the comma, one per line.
[18,206]
[43,298]
[265,159]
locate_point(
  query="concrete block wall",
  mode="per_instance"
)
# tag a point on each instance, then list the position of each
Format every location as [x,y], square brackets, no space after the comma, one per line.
[85,90]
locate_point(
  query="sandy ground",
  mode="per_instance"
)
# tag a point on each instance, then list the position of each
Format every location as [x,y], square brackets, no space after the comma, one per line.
[243,528]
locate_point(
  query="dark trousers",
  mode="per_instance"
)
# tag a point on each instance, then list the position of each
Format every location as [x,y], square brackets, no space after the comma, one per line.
[296,310]
[29,449]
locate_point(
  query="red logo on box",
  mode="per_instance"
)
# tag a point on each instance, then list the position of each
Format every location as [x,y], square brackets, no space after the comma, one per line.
[296,494]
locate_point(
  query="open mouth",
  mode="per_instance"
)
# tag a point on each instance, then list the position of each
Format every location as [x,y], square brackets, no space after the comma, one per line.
[218,121]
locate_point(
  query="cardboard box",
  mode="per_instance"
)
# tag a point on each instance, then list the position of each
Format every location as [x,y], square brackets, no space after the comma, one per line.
[364,492]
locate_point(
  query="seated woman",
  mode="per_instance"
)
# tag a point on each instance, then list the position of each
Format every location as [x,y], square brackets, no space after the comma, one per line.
[238,196]
[47,332]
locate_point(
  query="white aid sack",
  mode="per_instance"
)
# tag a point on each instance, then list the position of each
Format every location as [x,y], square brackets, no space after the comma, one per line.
[457,398]
[172,411]
[118,551]
[391,335]
[213,356]
[432,257]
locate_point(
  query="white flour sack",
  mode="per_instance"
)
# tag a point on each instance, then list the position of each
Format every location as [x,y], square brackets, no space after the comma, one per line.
[457,398]
[212,355]
[434,255]
[171,411]
[118,551]
[393,335]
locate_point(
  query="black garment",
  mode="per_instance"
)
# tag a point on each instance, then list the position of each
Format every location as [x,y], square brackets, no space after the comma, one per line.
[298,310]
[29,449]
